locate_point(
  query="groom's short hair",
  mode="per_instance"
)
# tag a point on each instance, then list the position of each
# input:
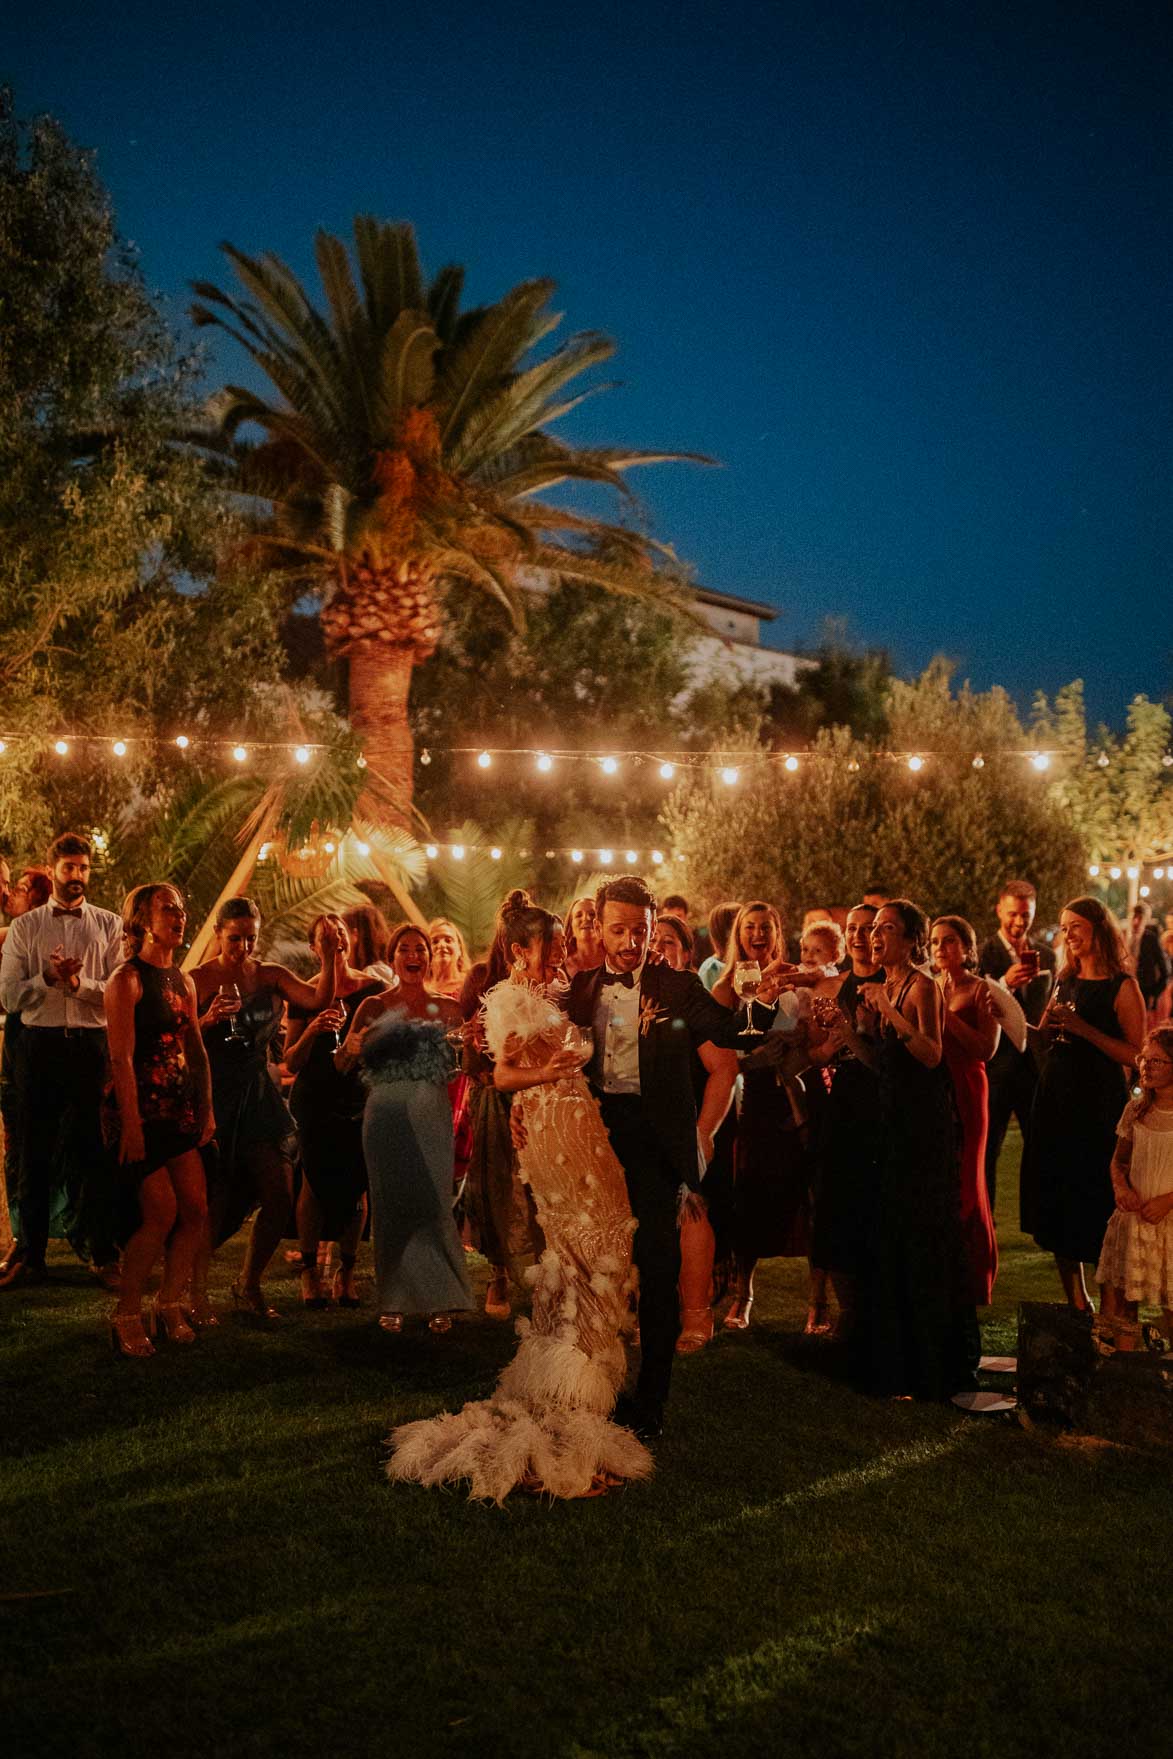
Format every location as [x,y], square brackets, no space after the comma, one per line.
[625,888]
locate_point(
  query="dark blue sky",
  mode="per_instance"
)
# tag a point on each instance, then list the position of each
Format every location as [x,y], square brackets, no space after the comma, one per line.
[903,269]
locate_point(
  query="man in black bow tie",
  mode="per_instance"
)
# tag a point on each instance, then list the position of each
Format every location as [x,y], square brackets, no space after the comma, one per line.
[53,973]
[645,1019]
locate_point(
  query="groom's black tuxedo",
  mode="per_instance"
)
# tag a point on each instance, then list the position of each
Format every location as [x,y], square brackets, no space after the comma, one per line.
[653,1134]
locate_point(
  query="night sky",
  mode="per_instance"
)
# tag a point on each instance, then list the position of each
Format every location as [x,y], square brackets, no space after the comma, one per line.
[903,269]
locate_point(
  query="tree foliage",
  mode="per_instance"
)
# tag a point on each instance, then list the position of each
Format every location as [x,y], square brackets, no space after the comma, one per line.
[852,816]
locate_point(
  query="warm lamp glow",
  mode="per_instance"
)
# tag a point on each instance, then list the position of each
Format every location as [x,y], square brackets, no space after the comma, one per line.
[545,762]
[609,766]
[240,754]
[916,763]
[484,760]
[791,764]
[61,748]
[667,771]
[458,851]
[729,776]
[1041,761]
[119,748]
[301,755]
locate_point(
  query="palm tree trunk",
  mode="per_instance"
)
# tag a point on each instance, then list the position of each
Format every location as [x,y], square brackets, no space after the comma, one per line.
[379,683]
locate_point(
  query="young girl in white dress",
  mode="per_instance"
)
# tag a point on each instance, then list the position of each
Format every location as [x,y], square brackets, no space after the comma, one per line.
[1136,1262]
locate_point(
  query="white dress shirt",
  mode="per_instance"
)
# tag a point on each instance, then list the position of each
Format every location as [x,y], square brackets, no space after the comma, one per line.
[615,1064]
[94,936]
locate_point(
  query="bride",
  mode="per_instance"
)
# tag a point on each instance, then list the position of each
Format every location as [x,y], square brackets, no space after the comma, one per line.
[548,1424]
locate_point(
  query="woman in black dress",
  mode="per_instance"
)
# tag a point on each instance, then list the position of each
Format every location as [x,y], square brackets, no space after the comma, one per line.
[1095,1025]
[848,1138]
[242,1000]
[917,1335]
[158,1113]
[328,1106]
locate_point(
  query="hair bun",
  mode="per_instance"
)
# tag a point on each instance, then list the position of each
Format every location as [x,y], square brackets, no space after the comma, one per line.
[518,899]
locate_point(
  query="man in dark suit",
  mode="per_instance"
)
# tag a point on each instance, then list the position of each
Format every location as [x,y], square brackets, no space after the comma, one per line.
[646,1018]
[1148,956]
[1027,968]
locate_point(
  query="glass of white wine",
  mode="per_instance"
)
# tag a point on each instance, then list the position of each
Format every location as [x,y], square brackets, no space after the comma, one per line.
[231,995]
[747,980]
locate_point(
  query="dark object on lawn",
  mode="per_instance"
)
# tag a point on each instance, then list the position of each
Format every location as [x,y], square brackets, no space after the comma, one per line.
[1062,1377]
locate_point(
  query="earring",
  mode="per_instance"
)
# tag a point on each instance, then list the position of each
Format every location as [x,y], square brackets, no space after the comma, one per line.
[519,966]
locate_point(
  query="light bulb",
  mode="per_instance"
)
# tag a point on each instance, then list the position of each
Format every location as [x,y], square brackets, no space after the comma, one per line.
[545,762]
[729,776]
[458,851]
[363,848]
[632,857]
[1145,890]
[657,858]
[240,754]
[484,760]
[853,765]
[183,741]
[301,755]
[667,771]
[119,748]
[979,762]
[360,762]
[329,848]
[791,764]
[609,765]
[1041,761]
[1093,871]
[576,855]
[916,763]
[431,852]
[1114,872]
[494,854]
[425,757]
[1158,873]
[61,748]
[605,857]
[1103,760]
[1134,873]
[3,748]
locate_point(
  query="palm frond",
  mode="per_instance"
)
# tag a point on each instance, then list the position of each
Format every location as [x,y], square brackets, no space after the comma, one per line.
[471,891]
[505,333]
[389,268]
[405,373]
[444,300]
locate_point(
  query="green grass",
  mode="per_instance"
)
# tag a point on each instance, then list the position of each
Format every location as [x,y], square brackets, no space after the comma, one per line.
[202,1556]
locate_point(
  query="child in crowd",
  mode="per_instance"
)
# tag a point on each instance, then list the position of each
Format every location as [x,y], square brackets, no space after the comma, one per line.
[1136,1262]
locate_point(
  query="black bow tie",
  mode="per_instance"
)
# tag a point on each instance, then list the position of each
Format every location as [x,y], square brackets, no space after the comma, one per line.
[626,978]
[60,910]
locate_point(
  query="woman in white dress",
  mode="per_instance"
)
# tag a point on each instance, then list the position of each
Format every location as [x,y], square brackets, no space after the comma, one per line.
[1136,1262]
[548,1425]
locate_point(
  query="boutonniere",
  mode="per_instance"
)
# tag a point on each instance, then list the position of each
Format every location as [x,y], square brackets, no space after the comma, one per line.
[649,1014]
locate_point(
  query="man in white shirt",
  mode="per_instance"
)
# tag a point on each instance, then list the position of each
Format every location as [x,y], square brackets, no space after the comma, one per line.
[53,973]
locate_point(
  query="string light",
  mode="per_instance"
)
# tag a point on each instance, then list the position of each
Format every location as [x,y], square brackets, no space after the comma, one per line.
[494,854]
[576,856]
[3,748]
[632,857]
[301,755]
[791,764]
[1158,873]
[545,762]
[1103,760]
[729,777]
[609,766]
[431,851]
[485,760]
[183,741]
[458,851]
[1144,891]
[1041,761]
[1134,873]
[1114,872]
[363,848]
[916,763]
[1093,871]
[119,748]
[667,771]
[605,857]
[240,754]
[425,757]
[979,762]
[657,858]
[61,748]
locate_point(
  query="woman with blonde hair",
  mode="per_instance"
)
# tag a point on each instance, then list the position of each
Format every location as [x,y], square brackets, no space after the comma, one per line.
[450,959]
[584,943]
[1093,1027]
[157,1113]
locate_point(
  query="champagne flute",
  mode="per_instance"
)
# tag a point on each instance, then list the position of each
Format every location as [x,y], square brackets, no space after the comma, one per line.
[231,994]
[747,980]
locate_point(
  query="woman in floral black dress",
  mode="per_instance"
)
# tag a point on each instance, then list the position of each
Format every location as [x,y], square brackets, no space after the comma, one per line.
[158,1112]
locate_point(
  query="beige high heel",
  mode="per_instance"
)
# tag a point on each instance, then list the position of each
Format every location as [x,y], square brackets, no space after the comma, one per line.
[169,1318]
[127,1336]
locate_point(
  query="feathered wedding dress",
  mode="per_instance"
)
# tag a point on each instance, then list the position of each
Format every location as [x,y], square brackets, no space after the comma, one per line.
[547,1426]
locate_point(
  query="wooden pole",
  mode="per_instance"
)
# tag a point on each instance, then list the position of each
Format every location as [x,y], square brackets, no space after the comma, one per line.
[235,886]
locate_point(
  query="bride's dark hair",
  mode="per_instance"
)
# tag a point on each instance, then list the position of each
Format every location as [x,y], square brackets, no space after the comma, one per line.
[519,923]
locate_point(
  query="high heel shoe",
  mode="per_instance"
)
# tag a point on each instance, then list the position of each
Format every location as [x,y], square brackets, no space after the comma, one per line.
[737,1316]
[252,1301]
[199,1312]
[440,1323]
[311,1282]
[342,1288]
[127,1336]
[696,1330]
[497,1298]
[818,1321]
[392,1322]
[168,1316]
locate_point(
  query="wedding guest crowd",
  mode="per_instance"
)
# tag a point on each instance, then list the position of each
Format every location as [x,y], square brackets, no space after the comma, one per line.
[846,1107]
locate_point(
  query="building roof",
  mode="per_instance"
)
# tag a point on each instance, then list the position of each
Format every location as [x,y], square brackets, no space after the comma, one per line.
[727,602]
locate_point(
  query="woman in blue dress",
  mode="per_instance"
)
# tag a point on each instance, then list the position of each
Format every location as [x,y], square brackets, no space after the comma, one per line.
[402,1040]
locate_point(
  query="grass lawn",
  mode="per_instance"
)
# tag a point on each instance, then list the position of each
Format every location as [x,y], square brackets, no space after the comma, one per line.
[203,1557]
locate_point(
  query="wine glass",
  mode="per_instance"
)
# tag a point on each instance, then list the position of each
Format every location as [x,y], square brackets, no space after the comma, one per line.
[231,994]
[580,1040]
[747,980]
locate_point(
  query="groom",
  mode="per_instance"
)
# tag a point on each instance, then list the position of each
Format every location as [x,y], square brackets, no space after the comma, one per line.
[646,1019]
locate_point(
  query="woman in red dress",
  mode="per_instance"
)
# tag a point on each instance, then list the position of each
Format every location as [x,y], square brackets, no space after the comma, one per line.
[969,1040]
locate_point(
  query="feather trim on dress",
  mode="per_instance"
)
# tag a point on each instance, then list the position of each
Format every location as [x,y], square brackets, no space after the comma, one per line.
[548,1424]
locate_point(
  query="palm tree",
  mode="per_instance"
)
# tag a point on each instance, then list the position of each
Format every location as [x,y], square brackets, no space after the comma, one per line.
[405,450]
